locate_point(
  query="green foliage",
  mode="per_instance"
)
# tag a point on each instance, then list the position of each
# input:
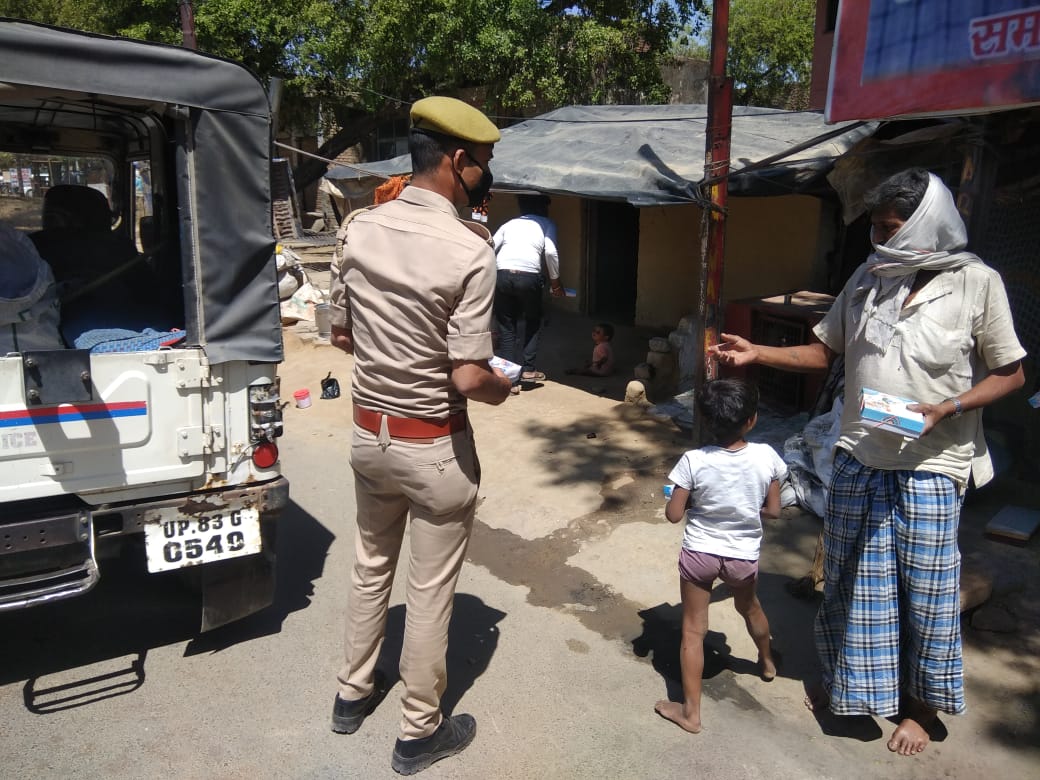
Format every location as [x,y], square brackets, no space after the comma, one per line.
[357,61]
[525,53]
[770,51]
[692,41]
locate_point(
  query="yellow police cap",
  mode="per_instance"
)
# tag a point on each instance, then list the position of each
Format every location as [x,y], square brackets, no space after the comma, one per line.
[452,117]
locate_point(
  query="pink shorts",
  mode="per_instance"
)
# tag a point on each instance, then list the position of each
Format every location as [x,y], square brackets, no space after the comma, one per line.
[702,569]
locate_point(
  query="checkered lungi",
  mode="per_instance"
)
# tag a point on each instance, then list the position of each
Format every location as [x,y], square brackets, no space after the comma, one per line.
[890,618]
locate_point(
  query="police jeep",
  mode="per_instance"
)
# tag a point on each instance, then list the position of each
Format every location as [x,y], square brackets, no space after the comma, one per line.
[139,406]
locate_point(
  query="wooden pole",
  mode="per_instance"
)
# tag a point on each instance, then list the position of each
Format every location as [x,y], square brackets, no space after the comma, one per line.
[713,221]
[187,24]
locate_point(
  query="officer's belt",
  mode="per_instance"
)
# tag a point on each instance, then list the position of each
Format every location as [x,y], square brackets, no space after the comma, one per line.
[409,427]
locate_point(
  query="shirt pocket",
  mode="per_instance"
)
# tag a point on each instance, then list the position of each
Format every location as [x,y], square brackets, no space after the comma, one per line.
[939,344]
[854,311]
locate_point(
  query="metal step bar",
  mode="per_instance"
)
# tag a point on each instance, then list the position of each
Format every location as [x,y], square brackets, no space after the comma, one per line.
[31,538]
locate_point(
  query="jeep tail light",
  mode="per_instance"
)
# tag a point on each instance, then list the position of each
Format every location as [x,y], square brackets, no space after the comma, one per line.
[265,413]
[265,455]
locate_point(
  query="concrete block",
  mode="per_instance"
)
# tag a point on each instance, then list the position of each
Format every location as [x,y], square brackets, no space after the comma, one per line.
[995,619]
[658,344]
[976,588]
[687,324]
[661,361]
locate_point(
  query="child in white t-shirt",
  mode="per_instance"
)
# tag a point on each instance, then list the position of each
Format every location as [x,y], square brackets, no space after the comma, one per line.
[722,491]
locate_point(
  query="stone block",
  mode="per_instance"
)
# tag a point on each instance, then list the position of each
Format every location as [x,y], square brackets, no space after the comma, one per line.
[635,393]
[658,344]
[995,619]
[976,588]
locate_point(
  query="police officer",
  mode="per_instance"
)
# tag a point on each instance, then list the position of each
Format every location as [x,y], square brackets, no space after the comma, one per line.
[412,293]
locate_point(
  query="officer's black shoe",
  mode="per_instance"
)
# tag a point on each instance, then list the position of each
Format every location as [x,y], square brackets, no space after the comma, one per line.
[347,716]
[451,737]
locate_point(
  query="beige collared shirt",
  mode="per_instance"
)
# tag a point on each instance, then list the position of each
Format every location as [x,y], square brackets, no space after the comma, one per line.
[415,284]
[957,327]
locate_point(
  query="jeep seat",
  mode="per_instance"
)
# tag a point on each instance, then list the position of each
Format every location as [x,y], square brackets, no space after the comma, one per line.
[72,206]
[77,237]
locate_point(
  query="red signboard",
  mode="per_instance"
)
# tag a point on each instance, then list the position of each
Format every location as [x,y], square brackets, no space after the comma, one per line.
[898,58]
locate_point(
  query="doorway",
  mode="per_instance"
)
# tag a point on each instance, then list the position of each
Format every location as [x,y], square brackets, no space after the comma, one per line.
[613,263]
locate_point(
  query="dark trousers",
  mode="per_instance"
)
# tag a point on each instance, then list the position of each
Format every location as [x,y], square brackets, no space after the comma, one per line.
[518,301]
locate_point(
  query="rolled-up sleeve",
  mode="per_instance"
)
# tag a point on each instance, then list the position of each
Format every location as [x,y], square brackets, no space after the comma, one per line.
[339,306]
[469,325]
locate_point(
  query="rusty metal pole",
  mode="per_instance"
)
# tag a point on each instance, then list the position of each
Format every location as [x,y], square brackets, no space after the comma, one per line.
[187,24]
[713,221]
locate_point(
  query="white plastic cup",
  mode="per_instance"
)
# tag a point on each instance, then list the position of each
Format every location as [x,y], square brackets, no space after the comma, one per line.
[303,398]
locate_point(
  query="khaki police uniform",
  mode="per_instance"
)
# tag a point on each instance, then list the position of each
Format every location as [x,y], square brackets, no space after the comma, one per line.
[415,285]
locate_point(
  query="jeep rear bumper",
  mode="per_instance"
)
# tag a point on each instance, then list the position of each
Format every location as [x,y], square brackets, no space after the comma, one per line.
[50,555]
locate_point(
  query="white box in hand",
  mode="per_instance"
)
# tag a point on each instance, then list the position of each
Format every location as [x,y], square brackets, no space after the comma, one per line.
[510,369]
[889,413]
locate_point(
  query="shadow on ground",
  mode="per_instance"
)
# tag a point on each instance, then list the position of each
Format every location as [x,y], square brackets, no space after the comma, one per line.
[566,342]
[472,641]
[790,623]
[129,612]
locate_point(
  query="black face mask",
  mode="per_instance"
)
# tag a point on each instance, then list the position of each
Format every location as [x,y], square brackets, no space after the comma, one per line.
[480,191]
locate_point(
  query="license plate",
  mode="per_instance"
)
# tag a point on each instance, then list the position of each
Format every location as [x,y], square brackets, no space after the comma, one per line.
[174,540]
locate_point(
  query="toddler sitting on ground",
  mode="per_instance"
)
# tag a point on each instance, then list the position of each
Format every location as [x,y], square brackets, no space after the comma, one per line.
[602,363]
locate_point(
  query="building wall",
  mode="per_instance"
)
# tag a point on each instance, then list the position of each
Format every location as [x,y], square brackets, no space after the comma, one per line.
[669,262]
[568,214]
[773,245]
[688,80]
[823,42]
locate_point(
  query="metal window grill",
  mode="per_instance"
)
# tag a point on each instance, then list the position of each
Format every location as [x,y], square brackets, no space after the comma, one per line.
[1009,245]
[782,388]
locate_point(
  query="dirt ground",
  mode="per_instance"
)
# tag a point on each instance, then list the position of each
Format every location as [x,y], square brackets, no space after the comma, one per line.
[22,213]
[566,629]
[571,512]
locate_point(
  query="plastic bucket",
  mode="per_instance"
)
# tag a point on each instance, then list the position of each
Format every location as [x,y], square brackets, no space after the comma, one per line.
[303,398]
[323,319]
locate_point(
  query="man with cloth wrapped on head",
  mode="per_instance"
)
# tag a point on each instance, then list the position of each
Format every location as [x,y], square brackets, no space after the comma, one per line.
[925,320]
[411,299]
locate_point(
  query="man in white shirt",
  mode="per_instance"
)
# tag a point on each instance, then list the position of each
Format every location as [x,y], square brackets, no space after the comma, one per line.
[521,246]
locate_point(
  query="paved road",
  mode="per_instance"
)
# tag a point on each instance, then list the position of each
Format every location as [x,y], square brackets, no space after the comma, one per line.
[565,634]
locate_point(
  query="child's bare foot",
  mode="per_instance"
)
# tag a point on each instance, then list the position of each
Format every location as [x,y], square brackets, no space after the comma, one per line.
[768,668]
[673,711]
[816,697]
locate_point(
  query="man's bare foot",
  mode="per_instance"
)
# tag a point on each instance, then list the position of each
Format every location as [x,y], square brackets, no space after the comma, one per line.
[673,711]
[767,667]
[909,738]
[911,735]
[816,697]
